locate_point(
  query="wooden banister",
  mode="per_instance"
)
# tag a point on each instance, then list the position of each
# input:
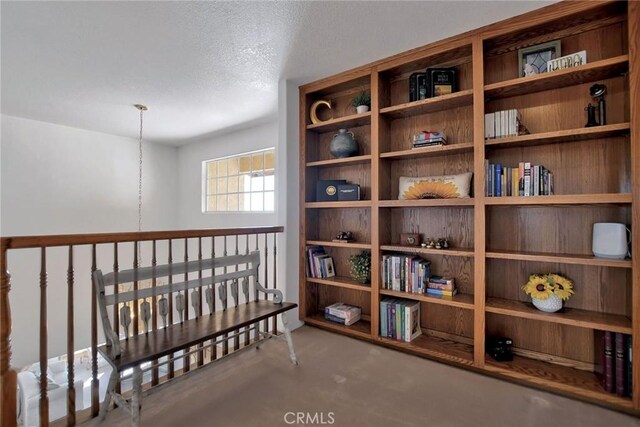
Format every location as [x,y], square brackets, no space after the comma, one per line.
[112,241]
[23,242]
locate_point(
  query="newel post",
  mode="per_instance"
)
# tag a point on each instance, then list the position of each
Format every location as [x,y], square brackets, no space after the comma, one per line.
[8,377]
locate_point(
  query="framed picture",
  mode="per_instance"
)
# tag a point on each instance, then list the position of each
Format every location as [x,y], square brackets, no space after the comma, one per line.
[533,60]
[442,81]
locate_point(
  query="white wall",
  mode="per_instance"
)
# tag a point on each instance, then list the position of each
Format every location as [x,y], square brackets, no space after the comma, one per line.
[57,179]
[190,158]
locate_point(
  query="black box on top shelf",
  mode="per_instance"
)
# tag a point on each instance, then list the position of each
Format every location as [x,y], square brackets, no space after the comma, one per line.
[348,192]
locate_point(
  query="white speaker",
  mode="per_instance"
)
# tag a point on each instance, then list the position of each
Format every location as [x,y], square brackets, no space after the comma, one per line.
[610,240]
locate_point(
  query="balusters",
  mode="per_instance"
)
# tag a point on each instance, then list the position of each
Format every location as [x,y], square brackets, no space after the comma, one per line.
[154,307]
[266,276]
[180,306]
[170,305]
[197,300]
[256,331]
[145,314]
[234,294]
[275,280]
[187,358]
[71,391]
[44,399]
[95,383]
[245,291]
[116,289]
[135,302]
[125,319]
[225,344]
[8,377]
[163,306]
[211,297]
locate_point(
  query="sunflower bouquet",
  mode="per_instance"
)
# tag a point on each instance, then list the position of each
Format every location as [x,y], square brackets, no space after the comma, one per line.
[543,286]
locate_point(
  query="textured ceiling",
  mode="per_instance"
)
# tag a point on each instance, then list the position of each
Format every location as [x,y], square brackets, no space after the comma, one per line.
[202,67]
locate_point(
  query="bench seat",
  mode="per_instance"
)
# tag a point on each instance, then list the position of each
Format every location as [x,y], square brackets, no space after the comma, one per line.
[162,342]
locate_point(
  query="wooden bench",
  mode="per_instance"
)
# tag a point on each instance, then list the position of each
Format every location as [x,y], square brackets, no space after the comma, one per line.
[150,345]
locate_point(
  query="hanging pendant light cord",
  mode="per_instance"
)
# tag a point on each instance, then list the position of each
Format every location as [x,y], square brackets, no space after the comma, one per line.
[140,175]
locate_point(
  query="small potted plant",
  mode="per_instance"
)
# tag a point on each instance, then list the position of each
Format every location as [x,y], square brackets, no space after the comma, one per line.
[548,291]
[361,267]
[362,102]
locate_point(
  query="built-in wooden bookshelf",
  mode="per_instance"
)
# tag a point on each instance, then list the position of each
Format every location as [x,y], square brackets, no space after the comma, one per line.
[496,242]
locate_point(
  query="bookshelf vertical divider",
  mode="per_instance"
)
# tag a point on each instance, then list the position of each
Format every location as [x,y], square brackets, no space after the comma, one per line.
[479,223]
[634,106]
[499,241]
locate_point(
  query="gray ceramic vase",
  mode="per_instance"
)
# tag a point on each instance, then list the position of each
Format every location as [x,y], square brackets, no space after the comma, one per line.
[343,144]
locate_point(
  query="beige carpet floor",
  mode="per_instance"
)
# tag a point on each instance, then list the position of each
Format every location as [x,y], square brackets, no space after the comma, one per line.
[354,383]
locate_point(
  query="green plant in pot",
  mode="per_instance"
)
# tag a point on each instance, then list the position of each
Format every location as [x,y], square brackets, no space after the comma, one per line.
[361,267]
[362,102]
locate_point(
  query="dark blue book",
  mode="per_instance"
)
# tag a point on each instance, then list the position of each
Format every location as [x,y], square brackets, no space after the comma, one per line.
[498,180]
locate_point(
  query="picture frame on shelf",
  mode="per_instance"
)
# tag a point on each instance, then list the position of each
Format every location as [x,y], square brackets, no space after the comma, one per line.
[532,60]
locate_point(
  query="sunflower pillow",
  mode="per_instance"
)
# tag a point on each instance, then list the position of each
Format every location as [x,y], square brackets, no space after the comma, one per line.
[435,187]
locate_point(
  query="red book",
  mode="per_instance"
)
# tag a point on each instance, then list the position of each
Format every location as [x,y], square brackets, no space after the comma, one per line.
[609,362]
[620,365]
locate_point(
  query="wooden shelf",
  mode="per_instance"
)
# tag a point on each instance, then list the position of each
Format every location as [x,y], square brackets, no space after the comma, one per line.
[569,199]
[465,202]
[567,316]
[557,378]
[460,252]
[360,329]
[341,282]
[560,258]
[460,300]
[438,150]
[430,105]
[434,348]
[322,205]
[587,73]
[570,135]
[347,161]
[350,121]
[354,245]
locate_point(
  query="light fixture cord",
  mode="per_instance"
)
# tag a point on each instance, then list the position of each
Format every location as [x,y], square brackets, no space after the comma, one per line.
[140,176]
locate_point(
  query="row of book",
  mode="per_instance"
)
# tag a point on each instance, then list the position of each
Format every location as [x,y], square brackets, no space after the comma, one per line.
[615,370]
[342,313]
[319,265]
[400,319]
[524,180]
[405,273]
[502,124]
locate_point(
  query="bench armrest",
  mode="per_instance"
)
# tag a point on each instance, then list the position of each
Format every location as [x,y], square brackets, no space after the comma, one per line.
[277,293]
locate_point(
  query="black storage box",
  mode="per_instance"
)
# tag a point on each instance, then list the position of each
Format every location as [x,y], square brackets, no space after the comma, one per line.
[327,190]
[348,192]
[499,348]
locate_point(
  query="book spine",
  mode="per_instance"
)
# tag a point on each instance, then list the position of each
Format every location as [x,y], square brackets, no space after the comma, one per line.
[403,322]
[609,362]
[498,179]
[486,178]
[629,363]
[392,323]
[620,365]
[527,179]
[536,180]
[383,318]
[398,316]
[492,172]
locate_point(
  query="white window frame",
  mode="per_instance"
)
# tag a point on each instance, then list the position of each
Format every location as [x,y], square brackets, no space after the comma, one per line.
[205,179]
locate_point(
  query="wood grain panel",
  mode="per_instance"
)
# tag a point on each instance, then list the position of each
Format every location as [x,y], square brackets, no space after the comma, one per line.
[456,224]
[563,108]
[567,229]
[552,338]
[600,43]
[451,320]
[326,223]
[607,161]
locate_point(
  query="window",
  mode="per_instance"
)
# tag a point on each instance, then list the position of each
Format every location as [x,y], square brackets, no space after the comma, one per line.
[243,183]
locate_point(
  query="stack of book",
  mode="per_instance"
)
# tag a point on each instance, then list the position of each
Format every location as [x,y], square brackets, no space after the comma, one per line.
[615,363]
[524,180]
[428,139]
[441,286]
[319,264]
[342,313]
[400,319]
[503,123]
[405,273]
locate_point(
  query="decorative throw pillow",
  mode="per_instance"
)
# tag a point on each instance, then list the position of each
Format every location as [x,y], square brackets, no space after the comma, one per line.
[435,187]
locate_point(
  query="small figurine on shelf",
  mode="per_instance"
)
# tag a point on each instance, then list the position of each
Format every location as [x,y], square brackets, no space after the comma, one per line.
[429,244]
[435,244]
[344,237]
